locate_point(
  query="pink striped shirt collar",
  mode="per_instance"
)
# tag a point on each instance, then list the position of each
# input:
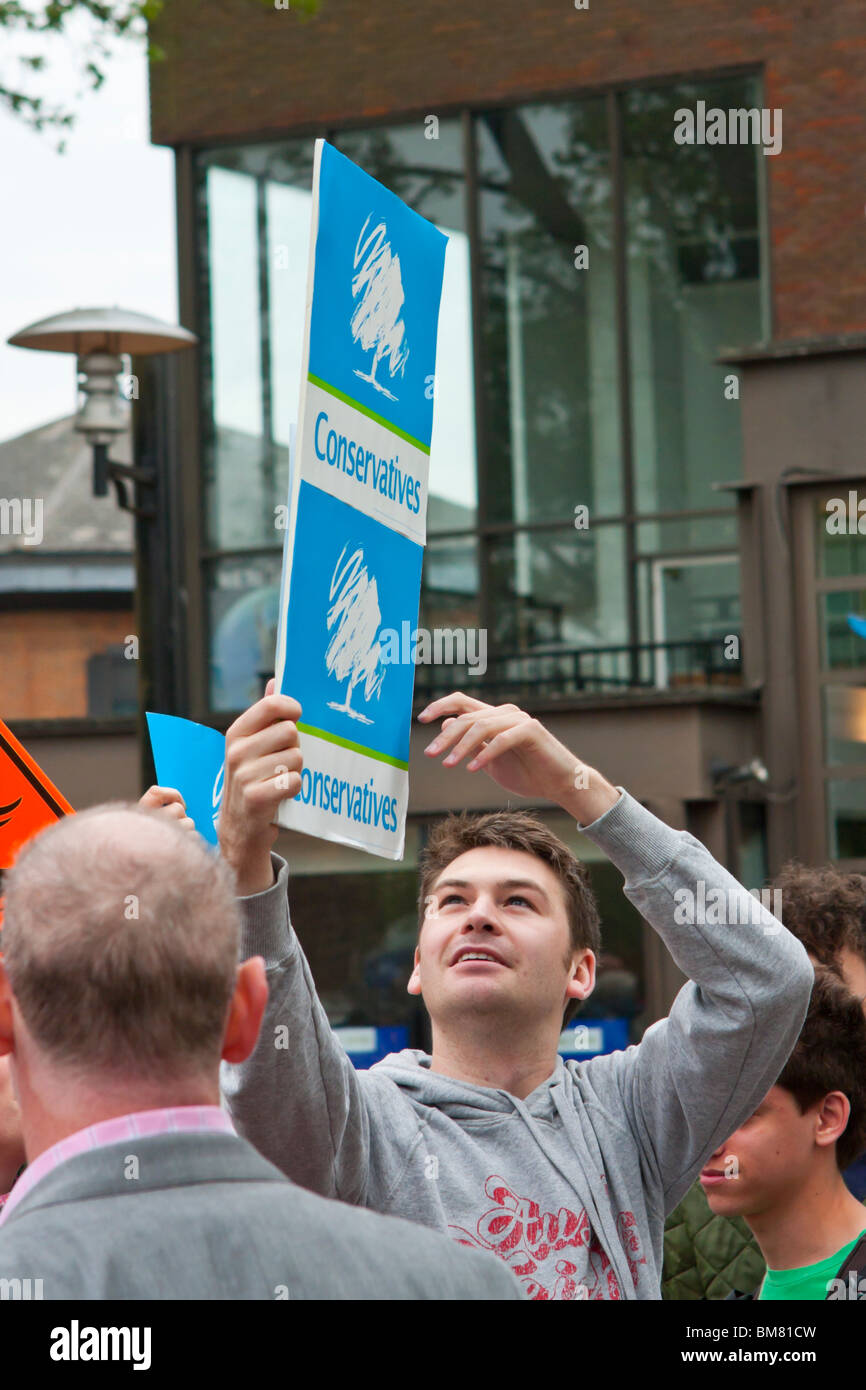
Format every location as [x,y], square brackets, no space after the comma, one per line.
[141,1125]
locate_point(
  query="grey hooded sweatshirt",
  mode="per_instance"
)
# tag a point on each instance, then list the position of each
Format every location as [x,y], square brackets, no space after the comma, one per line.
[570,1186]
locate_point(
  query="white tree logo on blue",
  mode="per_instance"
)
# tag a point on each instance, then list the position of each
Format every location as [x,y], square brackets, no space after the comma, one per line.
[354,653]
[376,323]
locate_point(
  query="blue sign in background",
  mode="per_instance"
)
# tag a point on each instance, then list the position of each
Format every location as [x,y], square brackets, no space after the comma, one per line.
[325,526]
[349,198]
[188,757]
[614,1037]
[387,1040]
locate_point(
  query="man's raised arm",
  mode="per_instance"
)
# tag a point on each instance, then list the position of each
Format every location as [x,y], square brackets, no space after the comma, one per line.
[297,1098]
[698,1074]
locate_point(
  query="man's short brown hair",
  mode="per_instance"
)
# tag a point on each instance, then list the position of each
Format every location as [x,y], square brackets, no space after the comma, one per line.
[830,1055]
[520,830]
[825,909]
[120,942]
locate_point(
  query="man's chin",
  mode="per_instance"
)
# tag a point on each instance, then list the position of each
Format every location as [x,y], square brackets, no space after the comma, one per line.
[478,998]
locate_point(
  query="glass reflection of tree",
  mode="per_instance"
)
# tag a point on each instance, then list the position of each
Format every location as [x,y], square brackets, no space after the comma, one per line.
[690,211]
[690,208]
[426,188]
[540,201]
[560,609]
[287,163]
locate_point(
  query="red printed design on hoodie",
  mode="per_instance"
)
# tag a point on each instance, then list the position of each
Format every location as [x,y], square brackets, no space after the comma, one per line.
[516,1230]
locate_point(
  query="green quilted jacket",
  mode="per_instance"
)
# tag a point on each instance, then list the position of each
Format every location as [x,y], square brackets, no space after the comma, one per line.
[706,1256]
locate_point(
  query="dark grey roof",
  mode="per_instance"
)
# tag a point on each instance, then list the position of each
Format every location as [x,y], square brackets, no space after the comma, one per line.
[55,463]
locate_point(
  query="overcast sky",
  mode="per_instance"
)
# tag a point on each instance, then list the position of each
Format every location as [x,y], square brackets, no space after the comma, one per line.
[92,227]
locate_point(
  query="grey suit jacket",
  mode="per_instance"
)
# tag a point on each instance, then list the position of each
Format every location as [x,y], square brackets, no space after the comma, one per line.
[207,1217]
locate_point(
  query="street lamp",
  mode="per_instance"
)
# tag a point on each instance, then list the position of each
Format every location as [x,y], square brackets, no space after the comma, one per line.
[147,488]
[98,337]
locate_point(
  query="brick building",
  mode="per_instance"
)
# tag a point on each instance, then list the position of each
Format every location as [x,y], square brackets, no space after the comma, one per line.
[670,334]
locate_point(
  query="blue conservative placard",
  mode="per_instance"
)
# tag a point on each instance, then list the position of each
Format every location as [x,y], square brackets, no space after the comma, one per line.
[190,757]
[376,291]
[358,505]
[360,583]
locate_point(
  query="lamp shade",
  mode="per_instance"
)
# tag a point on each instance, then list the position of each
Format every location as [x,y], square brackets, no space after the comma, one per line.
[114,330]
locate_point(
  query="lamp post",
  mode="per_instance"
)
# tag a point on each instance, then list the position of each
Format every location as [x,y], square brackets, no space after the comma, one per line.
[99,338]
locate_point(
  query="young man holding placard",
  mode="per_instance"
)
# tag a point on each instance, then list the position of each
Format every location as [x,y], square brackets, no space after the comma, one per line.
[565,1170]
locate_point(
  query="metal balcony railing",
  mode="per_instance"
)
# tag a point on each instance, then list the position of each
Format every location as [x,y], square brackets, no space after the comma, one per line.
[557,673]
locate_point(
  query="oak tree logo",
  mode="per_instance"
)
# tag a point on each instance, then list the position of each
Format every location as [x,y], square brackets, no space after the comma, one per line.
[376,323]
[354,652]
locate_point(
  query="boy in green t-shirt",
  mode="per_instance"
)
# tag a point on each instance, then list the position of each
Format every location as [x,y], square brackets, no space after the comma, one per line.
[782,1169]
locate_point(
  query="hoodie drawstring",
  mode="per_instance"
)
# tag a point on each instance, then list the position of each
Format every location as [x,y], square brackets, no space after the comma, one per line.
[601,1218]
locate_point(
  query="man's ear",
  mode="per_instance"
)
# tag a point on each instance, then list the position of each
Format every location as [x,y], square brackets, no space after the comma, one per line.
[7,1036]
[245,1011]
[582,981]
[414,985]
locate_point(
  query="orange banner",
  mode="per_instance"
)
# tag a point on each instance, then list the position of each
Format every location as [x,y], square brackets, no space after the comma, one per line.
[28,799]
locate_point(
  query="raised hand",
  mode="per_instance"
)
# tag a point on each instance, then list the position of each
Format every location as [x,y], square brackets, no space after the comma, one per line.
[518,752]
[262,768]
[167,802]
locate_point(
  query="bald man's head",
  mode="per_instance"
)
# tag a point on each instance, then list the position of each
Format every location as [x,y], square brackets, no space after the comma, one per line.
[120,942]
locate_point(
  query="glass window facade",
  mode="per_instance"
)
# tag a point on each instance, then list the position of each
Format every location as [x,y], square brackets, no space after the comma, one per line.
[846,814]
[844,723]
[693,247]
[549,312]
[244,599]
[595,269]
[254,216]
[842,646]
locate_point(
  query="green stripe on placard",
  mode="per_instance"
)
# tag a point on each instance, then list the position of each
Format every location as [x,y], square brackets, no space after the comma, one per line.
[353,747]
[371,415]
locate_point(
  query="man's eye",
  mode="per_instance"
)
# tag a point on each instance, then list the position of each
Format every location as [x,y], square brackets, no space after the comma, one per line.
[518,898]
[451,898]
